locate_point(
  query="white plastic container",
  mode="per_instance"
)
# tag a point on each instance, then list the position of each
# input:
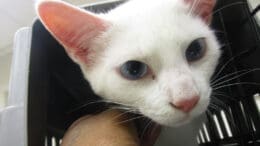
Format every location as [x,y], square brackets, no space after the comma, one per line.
[13,117]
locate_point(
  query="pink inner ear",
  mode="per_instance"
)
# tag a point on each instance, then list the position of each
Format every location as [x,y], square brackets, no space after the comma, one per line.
[203,8]
[74,28]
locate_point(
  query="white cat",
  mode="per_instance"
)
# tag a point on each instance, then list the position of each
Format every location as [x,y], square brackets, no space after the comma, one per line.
[154,56]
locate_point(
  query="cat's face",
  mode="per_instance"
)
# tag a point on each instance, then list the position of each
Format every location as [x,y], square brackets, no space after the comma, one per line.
[155,58]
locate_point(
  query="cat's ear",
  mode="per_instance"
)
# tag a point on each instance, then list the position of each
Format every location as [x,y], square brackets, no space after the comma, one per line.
[202,8]
[73,27]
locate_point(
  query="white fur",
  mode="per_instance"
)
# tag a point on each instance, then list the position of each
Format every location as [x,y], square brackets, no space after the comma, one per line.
[156,32]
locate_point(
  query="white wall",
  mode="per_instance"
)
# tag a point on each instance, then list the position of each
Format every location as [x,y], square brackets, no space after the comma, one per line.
[5,63]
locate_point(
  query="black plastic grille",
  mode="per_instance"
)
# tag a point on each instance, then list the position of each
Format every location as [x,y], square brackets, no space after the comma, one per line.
[233,117]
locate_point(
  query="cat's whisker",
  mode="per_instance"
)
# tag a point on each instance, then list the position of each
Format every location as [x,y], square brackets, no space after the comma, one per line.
[131,119]
[154,128]
[224,45]
[117,116]
[219,80]
[227,63]
[209,112]
[235,77]
[127,109]
[218,103]
[226,6]
[123,113]
[145,128]
[118,103]
[217,100]
[85,105]
[239,83]
[214,106]
[223,95]
[218,31]
[120,107]
[193,6]
[227,76]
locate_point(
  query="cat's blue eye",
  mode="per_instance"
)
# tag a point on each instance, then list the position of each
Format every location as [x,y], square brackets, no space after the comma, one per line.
[133,70]
[196,50]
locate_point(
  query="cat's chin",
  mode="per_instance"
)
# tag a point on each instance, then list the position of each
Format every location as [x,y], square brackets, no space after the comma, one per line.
[175,121]
[179,122]
[186,119]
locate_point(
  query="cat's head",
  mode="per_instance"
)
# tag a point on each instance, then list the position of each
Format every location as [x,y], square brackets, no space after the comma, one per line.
[156,56]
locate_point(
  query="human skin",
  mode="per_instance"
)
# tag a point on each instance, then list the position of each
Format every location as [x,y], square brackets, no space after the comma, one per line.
[105,129]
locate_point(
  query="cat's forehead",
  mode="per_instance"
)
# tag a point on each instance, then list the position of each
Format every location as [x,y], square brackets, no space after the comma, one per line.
[159,32]
[146,38]
[160,22]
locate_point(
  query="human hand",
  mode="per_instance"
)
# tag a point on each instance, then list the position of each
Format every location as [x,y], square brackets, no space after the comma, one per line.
[106,129]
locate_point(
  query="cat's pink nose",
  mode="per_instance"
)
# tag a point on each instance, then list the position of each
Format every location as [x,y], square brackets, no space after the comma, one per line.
[186,105]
